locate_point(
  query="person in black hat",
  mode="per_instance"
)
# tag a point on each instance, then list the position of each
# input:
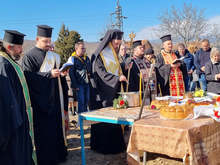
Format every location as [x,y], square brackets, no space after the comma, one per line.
[140,72]
[15,141]
[172,72]
[106,79]
[41,68]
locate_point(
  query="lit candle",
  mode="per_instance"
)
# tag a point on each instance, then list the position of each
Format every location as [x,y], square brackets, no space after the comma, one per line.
[140,90]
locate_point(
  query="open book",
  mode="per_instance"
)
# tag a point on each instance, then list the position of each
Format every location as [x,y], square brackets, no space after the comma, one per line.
[178,60]
[67,65]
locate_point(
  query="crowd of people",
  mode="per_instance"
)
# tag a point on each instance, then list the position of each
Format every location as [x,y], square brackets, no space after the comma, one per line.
[34,96]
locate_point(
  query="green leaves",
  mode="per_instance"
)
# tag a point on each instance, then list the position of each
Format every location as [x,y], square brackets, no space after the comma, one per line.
[65,43]
[120,103]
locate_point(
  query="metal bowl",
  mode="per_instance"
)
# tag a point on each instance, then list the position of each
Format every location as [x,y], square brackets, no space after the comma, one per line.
[132,98]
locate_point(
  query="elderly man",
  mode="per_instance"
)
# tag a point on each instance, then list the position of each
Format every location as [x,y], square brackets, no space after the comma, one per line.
[15,107]
[212,71]
[108,75]
[49,98]
[172,72]
[202,57]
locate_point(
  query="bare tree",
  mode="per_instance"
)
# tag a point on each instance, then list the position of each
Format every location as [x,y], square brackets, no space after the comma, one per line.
[215,34]
[184,24]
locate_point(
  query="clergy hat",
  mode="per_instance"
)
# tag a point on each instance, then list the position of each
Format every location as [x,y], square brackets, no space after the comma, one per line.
[166,38]
[149,51]
[117,35]
[44,31]
[13,37]
[137,43]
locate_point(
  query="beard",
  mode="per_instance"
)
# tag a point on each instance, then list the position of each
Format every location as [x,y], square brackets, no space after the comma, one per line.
[16,57]
[117,50]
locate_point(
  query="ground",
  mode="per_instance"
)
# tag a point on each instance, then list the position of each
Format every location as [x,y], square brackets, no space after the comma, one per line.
[93,158]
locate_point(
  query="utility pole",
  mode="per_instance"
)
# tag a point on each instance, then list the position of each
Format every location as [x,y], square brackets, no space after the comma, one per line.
[118,17]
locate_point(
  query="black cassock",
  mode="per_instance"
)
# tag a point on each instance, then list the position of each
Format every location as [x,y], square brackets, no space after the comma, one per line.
[15,141]
[44,93]
[164,73]
[134,77]
[106,138]
[108,85]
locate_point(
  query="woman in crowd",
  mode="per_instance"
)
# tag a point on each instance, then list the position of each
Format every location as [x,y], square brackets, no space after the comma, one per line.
[212,72]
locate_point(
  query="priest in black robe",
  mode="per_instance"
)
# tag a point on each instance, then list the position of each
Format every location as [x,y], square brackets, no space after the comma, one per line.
[107,71]
[140,73]
[107,78]
[172,73]
[15,141]
[46,92]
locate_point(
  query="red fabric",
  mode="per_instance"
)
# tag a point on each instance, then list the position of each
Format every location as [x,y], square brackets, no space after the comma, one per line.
[177,87]
[66,121]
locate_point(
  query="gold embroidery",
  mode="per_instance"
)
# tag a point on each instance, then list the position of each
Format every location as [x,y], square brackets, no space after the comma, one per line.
[112,67]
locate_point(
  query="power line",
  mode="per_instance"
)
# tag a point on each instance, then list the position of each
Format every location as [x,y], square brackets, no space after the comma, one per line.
[118,17]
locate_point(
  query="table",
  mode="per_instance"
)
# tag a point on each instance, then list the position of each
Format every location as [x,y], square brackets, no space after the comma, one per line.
[109,115]
[195,141]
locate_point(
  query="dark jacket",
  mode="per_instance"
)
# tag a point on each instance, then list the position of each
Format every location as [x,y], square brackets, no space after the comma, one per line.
[188,60]
[211,70]
[80,71]
[200,59]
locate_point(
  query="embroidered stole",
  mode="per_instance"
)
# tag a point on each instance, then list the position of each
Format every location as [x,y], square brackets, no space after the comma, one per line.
[27,99]
[144,75]
[111,61]
[176,81]
[52,60]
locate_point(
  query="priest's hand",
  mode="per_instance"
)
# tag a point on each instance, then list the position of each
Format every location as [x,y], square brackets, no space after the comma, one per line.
[55,73]
[123,78]
[64,73]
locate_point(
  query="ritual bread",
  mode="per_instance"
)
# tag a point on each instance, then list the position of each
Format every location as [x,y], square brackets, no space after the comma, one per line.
[204,103]
[157,104]
[176,112]
[188,95]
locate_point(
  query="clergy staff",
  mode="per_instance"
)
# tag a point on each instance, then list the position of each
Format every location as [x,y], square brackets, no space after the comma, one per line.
[172,72]
[212,71]
[16,122]
[108,77]
[48,93]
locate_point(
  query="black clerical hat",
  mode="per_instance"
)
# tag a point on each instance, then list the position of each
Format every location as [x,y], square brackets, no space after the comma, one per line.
[137,43]
[13,37]
[166,38]
[117,35]
[149,51]
[44,31]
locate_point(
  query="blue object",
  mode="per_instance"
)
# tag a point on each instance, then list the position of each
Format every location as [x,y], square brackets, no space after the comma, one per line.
[98,119]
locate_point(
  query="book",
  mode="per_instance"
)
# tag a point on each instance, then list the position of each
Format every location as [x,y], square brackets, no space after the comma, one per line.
[178,60]
[67,65]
